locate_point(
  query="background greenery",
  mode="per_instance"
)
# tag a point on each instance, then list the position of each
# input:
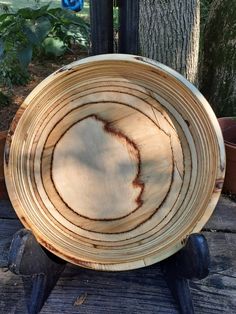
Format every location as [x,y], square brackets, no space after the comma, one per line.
[36,32]
[41,29]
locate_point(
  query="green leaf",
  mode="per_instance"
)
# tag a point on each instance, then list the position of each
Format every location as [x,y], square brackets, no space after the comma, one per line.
[25,56]
[54,46]
[29,13]
[56,11]
[29,31]
[42,28]
[8,21]
[4,16]
[36,32]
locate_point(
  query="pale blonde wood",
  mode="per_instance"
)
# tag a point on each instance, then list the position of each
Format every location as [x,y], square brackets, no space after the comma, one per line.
[113,161]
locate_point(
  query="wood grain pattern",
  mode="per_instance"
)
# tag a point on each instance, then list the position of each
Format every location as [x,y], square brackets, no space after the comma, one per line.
[113,161]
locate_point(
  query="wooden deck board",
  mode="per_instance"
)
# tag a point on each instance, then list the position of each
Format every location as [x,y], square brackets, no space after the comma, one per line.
[138,291]
[7,228]
[224,217]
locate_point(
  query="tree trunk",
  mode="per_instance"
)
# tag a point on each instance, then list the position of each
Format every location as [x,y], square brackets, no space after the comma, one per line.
[169,33]
[218,82]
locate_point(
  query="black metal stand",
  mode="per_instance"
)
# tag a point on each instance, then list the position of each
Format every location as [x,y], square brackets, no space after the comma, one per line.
[128,26]
[191,262]
[101,22]
[39,268]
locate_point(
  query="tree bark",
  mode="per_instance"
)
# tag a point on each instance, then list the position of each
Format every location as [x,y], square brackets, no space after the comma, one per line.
[169,33]
[218,83]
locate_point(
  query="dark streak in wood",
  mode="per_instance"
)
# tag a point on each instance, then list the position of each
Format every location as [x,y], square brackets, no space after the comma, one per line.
[124,104]
[65,69]
[137,182]
[139,58]
[135,152]
[7,149]
[187,122]
[140,183]
[11,132]
[66,131]
[138,225]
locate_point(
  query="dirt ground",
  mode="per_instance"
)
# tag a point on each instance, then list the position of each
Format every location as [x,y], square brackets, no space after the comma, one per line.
[38,72]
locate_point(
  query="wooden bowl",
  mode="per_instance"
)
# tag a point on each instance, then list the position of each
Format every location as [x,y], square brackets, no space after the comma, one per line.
[113,161]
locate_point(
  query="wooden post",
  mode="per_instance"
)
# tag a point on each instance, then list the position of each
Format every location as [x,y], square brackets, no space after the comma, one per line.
[129,26]
[101,19]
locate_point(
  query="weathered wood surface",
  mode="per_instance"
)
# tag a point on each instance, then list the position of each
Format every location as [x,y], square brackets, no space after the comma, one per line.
[138,291]
[7,229]
[224,217]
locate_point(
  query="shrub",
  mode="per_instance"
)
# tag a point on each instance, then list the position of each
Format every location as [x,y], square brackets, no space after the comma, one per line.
[35,32]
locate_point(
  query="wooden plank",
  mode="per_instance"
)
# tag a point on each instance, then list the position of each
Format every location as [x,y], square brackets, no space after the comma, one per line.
[7,229]
[138,291]
[11,294]
[217,293]
[224,217]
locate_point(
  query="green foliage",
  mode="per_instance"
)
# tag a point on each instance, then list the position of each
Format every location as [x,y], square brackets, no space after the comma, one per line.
[4,7]
[33,33]
[205,7]
[54,46]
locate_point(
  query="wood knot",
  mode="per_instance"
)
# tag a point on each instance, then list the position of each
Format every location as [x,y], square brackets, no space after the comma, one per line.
[219,185]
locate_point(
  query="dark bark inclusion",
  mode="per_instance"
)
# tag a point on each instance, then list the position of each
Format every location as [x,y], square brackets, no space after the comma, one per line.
[137,182]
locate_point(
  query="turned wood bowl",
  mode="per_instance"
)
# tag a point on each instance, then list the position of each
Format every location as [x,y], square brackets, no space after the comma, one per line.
[113,160]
